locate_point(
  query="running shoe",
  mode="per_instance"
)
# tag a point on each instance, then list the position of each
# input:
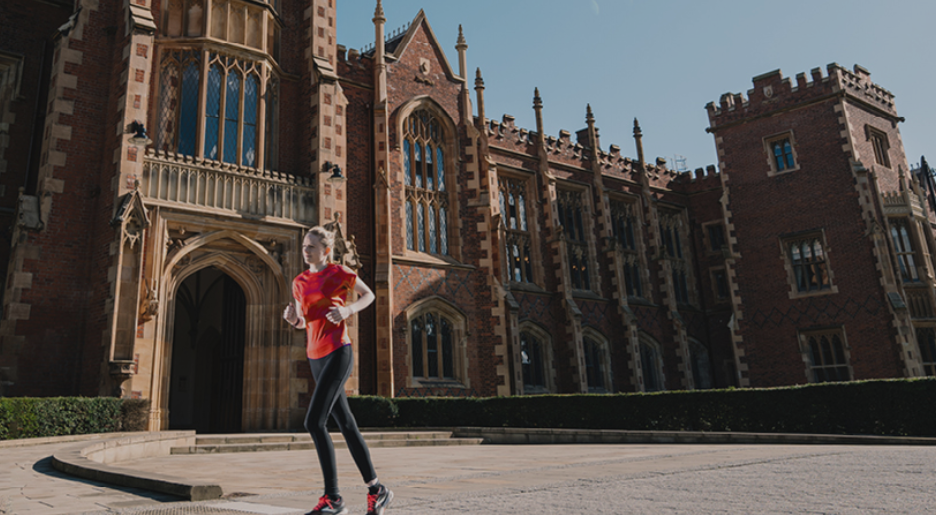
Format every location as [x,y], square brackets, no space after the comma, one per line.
[328,506]
[377,503]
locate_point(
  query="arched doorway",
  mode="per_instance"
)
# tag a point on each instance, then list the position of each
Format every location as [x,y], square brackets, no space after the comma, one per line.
[207,380]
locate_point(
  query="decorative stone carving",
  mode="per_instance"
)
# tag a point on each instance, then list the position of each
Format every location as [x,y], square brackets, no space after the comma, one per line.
[345,251]
[254,264]
[149,301]
[120,371]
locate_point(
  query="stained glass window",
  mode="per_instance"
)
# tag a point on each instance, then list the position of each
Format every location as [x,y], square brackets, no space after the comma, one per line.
[424,178]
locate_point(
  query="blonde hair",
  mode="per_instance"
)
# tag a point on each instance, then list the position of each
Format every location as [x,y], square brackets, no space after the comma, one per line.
[325,236]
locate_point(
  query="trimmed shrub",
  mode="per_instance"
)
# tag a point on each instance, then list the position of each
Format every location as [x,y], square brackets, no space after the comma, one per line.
[900,407]
[27,417]
[134,414]
[373,411]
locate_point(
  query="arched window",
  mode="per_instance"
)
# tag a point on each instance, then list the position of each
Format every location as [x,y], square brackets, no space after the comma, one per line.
[235,92]
[903,245]
[597,363]
[651,364]
[572,215]
[701,365]
[535,359]
[435,331]
[672,229]
[425,180]
[178,102]
[626,229]
[518,242]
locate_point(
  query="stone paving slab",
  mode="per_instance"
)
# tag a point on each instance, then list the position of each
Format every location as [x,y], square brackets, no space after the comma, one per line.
[515,479]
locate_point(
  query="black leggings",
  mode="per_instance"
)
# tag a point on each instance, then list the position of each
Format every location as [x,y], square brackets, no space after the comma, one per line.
[329,398]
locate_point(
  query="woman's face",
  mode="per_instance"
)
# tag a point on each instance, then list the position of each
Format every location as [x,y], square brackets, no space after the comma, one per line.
[314,252]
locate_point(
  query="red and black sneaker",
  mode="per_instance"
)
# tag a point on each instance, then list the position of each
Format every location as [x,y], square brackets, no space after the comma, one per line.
[378,502]
[329,506]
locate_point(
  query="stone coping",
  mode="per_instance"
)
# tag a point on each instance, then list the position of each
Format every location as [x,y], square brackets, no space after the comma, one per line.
[518,436]
[28,442]
[94,461]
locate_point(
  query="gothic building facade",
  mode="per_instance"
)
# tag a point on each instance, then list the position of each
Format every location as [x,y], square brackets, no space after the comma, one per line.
[160,161]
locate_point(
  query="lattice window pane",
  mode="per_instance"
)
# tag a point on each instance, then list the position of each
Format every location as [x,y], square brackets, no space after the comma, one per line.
[418,180]
[231,116]
[432,347]
[440,168]
[251,105]
[926,338]
[448,366]
[521,211]
[593,365]
[168,104]
[188,112]
[531,359]
[416,328]
[407,166]
[409,226]
[430,177]
[421,226]
[649,364]
[443,231]
[527,263]
[213,112]
[432,231]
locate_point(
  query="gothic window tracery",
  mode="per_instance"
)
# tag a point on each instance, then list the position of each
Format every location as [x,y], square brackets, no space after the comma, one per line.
[826,355]
[517,239]
[435,330]
[672,230]
[235,90]
[809,264]
[903,246]
[626,229]
[572,212]
[424,171]
[651,365]
[597,364]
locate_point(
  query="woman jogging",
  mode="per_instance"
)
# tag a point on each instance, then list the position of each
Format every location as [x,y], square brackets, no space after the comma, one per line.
[320,294]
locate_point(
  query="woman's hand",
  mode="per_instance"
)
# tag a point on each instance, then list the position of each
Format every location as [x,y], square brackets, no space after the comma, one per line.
[290,315]
[338,313]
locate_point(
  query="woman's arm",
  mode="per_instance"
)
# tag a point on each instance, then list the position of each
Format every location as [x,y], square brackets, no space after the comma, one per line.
[365,297]
[293,315]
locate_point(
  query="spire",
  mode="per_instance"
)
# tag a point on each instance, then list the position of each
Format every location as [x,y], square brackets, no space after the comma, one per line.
[589,117]
[479,91]
[378,13]
[638,136]
[462,48]
[538,107]
[461,39]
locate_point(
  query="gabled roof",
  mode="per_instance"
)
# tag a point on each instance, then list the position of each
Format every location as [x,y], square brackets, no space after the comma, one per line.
[131,204]
[396,46]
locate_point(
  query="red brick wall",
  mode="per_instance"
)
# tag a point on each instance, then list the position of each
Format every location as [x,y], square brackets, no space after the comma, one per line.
[819,195]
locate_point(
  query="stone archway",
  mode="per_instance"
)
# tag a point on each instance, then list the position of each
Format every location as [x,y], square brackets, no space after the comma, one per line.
[266,401]
[207,364]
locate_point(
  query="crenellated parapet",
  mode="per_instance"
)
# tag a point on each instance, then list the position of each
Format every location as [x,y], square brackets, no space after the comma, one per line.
[772,92]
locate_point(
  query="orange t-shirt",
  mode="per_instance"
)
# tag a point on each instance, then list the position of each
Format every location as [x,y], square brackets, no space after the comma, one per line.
[317,292]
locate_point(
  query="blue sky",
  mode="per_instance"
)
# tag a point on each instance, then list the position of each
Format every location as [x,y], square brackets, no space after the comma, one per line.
[661,61]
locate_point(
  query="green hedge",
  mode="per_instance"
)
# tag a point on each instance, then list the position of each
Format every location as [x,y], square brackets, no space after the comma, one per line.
[31,417]
[882,407]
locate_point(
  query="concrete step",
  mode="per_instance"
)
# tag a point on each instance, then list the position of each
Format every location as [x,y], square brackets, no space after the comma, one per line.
[296,442]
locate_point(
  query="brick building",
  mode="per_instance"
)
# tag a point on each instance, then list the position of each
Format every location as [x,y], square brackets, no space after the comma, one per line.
[171,154]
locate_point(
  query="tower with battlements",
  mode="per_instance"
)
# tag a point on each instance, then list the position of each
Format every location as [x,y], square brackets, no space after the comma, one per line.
[829,236]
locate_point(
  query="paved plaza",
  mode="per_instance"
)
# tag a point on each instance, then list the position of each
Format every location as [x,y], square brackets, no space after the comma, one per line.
[511,479]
